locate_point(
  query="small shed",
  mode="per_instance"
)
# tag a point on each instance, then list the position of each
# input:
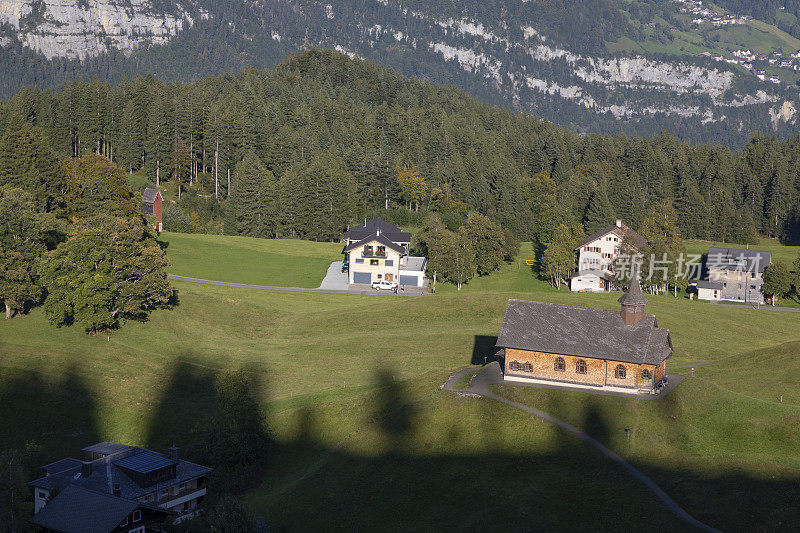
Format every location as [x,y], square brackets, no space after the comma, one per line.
[152,204]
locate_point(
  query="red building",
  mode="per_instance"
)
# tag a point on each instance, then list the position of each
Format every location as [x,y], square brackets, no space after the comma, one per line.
[152,202]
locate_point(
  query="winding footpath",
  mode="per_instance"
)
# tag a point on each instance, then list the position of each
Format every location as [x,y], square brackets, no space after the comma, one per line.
[480,387]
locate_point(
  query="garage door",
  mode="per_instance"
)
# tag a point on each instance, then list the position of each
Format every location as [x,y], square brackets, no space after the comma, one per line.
[362,277]
[409,280]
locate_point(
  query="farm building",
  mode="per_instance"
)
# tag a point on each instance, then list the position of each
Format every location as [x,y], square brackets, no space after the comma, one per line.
[734,274]
[585,348]
[152,204]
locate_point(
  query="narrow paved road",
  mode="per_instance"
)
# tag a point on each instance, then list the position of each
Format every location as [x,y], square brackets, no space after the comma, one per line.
[763,307]
[366,290]
[489,375]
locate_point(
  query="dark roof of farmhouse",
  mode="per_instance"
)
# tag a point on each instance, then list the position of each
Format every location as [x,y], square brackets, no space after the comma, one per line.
[113,468]
[582,332]
[149,195]
[381,239]
[79,510]
[622,231]
[374,226]
[738,259]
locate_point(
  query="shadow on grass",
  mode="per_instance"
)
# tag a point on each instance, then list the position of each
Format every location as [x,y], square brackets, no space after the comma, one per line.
[406,481]
[58,415]
[484,350]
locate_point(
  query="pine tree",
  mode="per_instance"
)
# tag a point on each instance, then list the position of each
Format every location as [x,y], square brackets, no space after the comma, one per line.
[254,200]
[600,212]
[27,162]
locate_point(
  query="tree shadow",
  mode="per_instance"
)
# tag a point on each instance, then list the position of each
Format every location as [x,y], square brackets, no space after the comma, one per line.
[484,350]
[58,415]
[187,398]
[395,415]
[423,477]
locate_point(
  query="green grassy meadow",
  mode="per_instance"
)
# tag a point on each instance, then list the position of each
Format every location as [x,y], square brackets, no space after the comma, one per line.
[787,254]
[280,262]
[350,386]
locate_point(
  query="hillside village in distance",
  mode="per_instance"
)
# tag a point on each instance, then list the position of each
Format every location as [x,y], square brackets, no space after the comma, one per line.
[752,61]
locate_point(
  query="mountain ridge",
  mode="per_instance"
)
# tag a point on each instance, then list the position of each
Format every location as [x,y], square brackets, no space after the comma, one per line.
[514,64]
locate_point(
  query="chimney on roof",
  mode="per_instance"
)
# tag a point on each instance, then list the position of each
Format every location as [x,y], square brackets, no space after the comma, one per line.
[173,453]
[633,302]
[117,491]
[86,468]
[619,223]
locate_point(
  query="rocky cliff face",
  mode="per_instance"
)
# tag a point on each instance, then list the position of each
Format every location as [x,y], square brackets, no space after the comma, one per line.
[81,29]
[502,60]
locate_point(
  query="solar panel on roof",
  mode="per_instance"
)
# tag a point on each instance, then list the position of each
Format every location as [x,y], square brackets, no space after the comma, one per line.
[145,462]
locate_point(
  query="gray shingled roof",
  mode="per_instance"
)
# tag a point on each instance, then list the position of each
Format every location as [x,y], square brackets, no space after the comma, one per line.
[105,474]
[583,332]
[706,284]
[79,510]
[622,231]
[382,239]
[149,195]
[738,258]
[362,231]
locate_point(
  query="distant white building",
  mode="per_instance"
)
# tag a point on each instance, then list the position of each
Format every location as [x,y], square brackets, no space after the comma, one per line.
[596,255]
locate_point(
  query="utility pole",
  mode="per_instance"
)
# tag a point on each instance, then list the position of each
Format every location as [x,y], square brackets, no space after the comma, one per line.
[216,170]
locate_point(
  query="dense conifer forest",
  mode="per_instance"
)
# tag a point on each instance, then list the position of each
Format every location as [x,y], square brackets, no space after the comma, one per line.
[323,140]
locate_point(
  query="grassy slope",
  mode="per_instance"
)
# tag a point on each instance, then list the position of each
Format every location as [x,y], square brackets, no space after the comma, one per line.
[324,365]
[725,423]
[786,254]
[282,262]
[756,35]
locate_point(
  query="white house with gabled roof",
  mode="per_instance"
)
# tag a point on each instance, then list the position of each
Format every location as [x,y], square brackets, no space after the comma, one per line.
[378,251]
[596,256]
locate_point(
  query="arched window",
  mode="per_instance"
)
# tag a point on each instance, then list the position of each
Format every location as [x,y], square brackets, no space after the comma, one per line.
[560,365]
[646,374]
[528,367]
[619,372]
[580,366]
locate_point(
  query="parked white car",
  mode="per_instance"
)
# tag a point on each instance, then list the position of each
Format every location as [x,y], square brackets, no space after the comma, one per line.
[383,284]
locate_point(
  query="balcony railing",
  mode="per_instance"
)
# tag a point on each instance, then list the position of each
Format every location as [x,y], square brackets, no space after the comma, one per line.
[372,254]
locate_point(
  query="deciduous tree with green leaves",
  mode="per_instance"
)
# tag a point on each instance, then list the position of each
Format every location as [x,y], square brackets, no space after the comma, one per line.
[558,260]
[17,281]
[24,235]
[110,270]
[777,280]
[453,256]
[488,241]
[664,246]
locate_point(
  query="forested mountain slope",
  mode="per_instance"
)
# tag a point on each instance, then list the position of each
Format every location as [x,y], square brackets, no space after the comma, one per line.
[322,140]
[554,59]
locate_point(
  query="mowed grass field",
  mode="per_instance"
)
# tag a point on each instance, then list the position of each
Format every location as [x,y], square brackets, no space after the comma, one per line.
[365,437]
[787,254]
[278,262]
